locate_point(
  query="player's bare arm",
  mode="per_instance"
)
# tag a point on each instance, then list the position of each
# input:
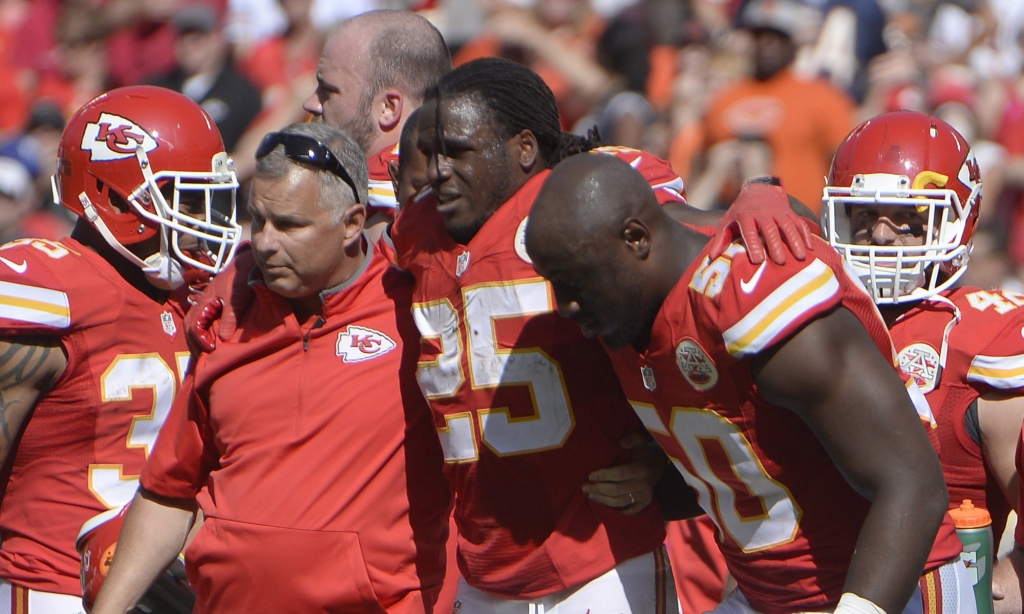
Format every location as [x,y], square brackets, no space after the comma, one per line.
[1006,582]
[154,533]
[29,366]
[832,375]
[1000,422]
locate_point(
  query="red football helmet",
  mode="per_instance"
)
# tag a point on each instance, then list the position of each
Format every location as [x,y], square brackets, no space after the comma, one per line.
[96,543]
[907,159]
[143,161]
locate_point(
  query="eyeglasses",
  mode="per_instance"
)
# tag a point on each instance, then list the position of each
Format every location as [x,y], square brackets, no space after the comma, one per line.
[306,149]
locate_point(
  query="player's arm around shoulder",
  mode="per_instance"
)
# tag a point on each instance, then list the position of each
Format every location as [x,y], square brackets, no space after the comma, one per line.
[29,367]
[833,376]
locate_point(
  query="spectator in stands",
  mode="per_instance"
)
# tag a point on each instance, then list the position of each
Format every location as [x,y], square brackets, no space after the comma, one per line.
[623,114]
[800,120]
[205,73]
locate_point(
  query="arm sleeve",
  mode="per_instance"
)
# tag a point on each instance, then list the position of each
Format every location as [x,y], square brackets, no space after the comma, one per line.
[760,305]
[999,366]
[184,454]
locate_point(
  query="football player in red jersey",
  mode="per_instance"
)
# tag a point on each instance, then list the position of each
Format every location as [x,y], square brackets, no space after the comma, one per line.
[91,330]
[901,205]
[372,74]
[530,537]
[826,491]
[525,407]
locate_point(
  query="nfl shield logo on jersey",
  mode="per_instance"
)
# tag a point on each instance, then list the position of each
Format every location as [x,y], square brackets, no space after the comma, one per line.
[921,362]
[356,344]
[115,138]
[461,264]
[647,374]
[695,365]
[168,321]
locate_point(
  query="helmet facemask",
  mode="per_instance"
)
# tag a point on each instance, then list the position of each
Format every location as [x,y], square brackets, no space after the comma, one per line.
[902,273]
[198,221]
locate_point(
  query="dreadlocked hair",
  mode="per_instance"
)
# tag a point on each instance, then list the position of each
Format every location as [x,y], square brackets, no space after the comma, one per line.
[572,144]
[518,100]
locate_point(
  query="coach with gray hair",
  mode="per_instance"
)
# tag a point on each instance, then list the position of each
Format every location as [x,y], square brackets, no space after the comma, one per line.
[306,426]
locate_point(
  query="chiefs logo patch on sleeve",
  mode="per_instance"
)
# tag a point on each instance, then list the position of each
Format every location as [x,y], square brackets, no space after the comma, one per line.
[921,362]
[115,138]
[356,344]
[696,366]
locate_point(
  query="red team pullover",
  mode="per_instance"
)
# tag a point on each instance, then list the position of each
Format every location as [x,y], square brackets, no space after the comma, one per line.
[525,406]
[984,354]
[86,441]
[324,472]
[788,521]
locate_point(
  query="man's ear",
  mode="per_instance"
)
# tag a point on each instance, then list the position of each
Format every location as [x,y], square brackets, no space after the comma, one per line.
[637,237]
[354,219]
[527,151]
[392,103]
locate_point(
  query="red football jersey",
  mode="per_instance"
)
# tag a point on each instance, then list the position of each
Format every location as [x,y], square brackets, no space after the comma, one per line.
[525,406]
[85,443]
[956,347]
[381,192]
[788,520]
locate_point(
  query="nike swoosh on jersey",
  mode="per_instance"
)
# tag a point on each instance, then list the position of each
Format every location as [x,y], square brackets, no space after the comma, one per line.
[749,285]
[18,268]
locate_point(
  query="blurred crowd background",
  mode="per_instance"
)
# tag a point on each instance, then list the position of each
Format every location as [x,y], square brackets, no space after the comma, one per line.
[723,89]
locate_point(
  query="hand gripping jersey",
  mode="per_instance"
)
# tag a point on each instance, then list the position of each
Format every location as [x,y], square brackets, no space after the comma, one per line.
[323,473]
[787,519]
[381,192]
[957,346]
[525,406]
[84,445]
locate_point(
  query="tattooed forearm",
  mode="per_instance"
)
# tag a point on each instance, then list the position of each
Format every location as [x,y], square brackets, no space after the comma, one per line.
[20,363]
[29,367]
[5,426]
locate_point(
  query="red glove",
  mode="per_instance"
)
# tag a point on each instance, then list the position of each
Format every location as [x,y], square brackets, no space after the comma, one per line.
[215,313]
[199,323]
[762,210]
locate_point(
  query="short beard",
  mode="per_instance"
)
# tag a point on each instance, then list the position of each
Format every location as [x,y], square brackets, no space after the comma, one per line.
[360,126]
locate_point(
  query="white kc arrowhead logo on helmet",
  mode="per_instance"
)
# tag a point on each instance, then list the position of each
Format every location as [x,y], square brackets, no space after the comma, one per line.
[115,138]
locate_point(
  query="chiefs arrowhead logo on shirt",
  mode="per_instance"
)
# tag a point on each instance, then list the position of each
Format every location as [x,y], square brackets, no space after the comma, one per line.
[115,138]
[695,365]
[356,344]
[921,362]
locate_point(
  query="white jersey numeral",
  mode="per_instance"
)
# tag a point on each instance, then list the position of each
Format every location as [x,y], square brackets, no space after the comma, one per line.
[126,374]
[492,365]
[724,469]
[1004,301]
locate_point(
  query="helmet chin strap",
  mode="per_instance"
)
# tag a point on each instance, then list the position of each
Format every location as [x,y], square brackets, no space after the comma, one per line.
[161,269]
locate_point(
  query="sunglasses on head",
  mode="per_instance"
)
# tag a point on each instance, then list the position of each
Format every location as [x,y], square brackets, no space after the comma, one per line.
[302,148]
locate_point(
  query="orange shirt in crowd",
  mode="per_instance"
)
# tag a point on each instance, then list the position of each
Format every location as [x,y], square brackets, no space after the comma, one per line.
[803,120]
